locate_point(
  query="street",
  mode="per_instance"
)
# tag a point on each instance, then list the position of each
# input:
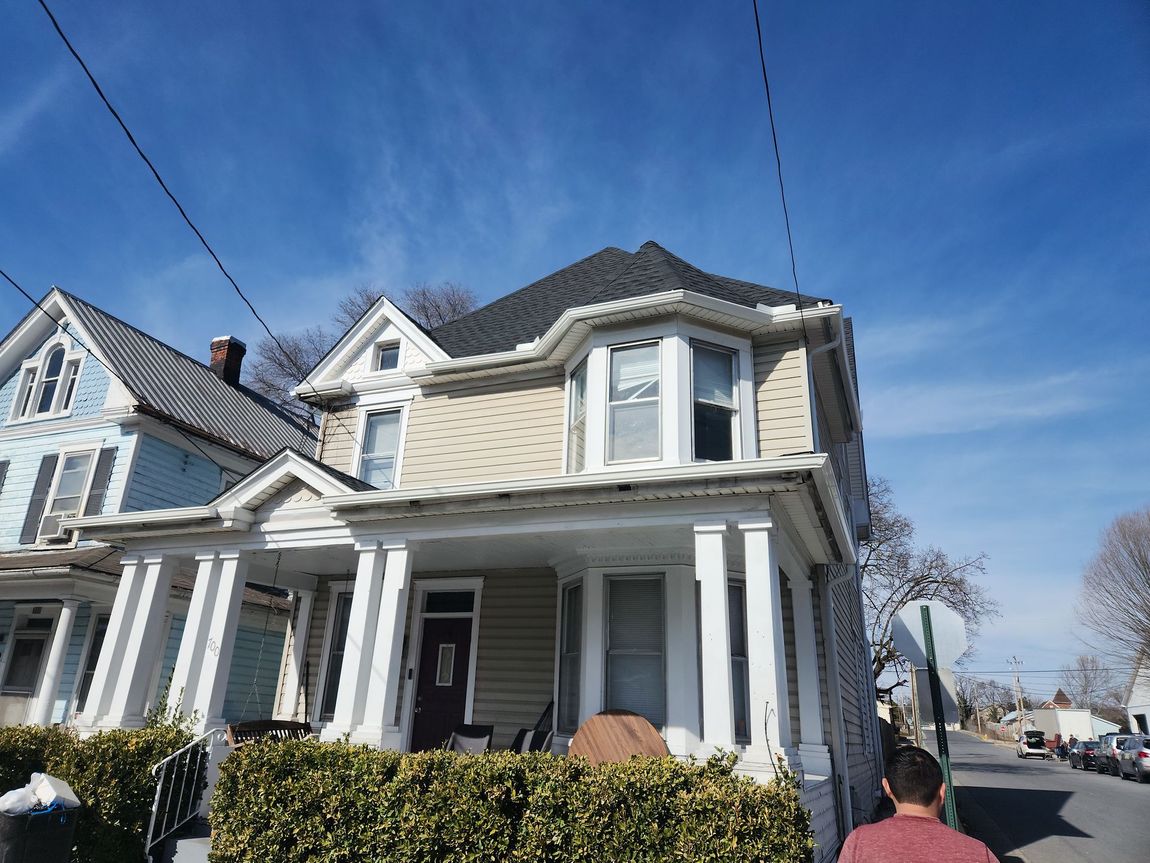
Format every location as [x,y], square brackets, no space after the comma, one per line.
[1044,812]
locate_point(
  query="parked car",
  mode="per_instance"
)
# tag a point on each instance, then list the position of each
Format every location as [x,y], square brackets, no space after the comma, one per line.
[1109,749]
[1082,755]
[1033,743]
[1133,760]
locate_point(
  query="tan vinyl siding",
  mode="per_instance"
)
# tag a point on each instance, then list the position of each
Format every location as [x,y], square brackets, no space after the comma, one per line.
[313,657]
[510,431]
[782,399]
[337,438]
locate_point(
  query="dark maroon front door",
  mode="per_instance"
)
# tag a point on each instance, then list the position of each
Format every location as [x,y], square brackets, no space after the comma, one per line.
[441,688]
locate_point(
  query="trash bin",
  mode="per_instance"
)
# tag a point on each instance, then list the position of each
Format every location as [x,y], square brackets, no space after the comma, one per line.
[43,836]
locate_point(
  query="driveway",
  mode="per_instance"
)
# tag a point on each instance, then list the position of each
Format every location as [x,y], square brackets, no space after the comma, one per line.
[1044,812]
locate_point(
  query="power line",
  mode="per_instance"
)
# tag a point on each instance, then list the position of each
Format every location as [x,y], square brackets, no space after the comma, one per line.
[183,213]
[778,168]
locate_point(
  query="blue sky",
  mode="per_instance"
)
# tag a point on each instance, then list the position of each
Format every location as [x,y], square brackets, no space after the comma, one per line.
[970,180]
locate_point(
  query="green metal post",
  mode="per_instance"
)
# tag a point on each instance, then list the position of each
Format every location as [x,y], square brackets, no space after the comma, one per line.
[939,717]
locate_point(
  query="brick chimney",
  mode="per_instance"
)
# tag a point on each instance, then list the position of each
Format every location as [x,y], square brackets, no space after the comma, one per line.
[227,358]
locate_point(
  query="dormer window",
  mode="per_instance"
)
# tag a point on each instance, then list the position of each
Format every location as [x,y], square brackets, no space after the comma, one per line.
[47,384]
[713,381]
[633,403]
[386,357]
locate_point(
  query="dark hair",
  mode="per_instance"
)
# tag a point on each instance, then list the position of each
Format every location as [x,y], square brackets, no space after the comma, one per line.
[913,775]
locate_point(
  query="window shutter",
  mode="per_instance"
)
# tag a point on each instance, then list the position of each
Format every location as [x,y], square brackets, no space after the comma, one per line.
[3,473]
[39,499]
[100,481]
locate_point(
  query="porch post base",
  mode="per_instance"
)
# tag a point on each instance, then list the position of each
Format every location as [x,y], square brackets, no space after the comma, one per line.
[111,723]
[816,761]
[379,736]
[762,763]
[332,732]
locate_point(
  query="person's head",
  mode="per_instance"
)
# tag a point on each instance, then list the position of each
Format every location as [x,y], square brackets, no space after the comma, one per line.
[914,781]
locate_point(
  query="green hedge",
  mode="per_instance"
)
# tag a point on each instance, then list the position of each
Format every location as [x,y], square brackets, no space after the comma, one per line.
[110,773]
[309,801]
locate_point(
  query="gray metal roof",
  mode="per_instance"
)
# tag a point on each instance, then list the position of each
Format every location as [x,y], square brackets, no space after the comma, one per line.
[175,387]
[609,274]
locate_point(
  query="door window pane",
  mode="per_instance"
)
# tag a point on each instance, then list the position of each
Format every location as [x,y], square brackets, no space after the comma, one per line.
[633,403]
[380,445]
[444,670]
[335,656]
[635,640]
[570,648]
[24,664]
[70,486]
[713,402]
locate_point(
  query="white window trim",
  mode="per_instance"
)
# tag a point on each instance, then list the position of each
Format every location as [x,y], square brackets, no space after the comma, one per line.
[676,423]
[737,406]
[94,451]
[364,411]
[335,588]
[376,347]
[420,588]
[72,355]
[661,400]
[568,581]
[29,610]
[94,612]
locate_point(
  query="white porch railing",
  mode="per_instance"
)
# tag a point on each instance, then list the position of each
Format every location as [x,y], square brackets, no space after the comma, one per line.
[180,782]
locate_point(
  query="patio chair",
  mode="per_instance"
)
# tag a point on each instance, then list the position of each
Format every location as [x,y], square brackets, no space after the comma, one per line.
[532,740]
[471,739]
[242,733]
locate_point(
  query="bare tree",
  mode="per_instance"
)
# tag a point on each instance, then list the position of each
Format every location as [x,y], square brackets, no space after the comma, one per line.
[895,571]
[1121,568]
[435,305]
[275,372]
[1088,682]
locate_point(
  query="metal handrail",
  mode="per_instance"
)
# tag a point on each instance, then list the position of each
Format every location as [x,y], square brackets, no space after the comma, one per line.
[187,801]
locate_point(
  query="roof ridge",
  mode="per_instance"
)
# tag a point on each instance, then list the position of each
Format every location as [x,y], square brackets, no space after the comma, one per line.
[636,260]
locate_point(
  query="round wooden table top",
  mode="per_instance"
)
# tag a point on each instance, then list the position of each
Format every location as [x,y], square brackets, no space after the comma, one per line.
[616,735]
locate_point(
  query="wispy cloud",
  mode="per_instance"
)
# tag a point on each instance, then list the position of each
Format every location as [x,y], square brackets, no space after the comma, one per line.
[956,407]
[18,116]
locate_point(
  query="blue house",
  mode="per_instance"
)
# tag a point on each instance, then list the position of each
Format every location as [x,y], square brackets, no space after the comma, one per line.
[98,418]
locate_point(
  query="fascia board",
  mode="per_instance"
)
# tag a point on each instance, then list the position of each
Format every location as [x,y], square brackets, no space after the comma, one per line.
[188,514]
[832,502]
[588,316]
[750,468]
[318,381]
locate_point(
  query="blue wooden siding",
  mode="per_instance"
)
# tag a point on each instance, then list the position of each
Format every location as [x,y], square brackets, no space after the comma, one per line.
[24,454]
[72,659]
[167,476]
[168,663]
[91,391]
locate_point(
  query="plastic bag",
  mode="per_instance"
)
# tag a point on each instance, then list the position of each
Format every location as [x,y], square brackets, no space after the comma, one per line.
[21,801]
[52,791]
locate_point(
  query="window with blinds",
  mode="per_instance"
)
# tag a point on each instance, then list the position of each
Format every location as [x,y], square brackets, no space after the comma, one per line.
[636,679]
[577,420]
[713,402]
[570,649]
[740,671]
[633,403]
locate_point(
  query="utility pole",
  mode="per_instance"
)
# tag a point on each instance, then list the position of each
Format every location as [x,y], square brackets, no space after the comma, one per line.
[915,712]
[977,714]
[1015,664]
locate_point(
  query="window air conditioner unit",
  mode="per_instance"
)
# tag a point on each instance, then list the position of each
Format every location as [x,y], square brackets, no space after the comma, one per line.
[51,531]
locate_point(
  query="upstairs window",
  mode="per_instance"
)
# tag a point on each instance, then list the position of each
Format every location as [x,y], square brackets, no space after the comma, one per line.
[713,381]
[71,483]
[380,449]
[633,403]
[577,421]
[387,357]
[47,387]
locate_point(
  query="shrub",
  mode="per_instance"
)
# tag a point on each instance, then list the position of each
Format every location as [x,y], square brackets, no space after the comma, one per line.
[110,773]
[303,800]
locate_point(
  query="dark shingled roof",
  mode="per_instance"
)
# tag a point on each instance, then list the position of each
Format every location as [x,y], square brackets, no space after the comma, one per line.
[610,274]
[177,387]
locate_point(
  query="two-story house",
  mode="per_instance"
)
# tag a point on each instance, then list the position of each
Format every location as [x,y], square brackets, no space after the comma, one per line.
[631,484]
[96,417]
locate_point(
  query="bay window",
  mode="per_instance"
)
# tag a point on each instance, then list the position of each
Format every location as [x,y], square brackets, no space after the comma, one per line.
[635,647]
[633,403]
[570,652]
[380,448]
[577,420]
[713,381]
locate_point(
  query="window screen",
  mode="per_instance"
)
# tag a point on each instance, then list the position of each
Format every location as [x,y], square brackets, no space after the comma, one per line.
[635,639]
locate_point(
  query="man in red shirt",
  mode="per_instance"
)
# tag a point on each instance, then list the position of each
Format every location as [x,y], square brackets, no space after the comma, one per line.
[914,783]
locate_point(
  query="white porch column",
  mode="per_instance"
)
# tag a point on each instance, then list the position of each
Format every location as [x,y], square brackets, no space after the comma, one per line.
[360,645]
[593,657]
[54,668]
[110,662]
[812,747]
[222,618]
[141,644]
[682,731]
[766,649]
[193,642]
[295,654]
[715,634]
[384,666]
